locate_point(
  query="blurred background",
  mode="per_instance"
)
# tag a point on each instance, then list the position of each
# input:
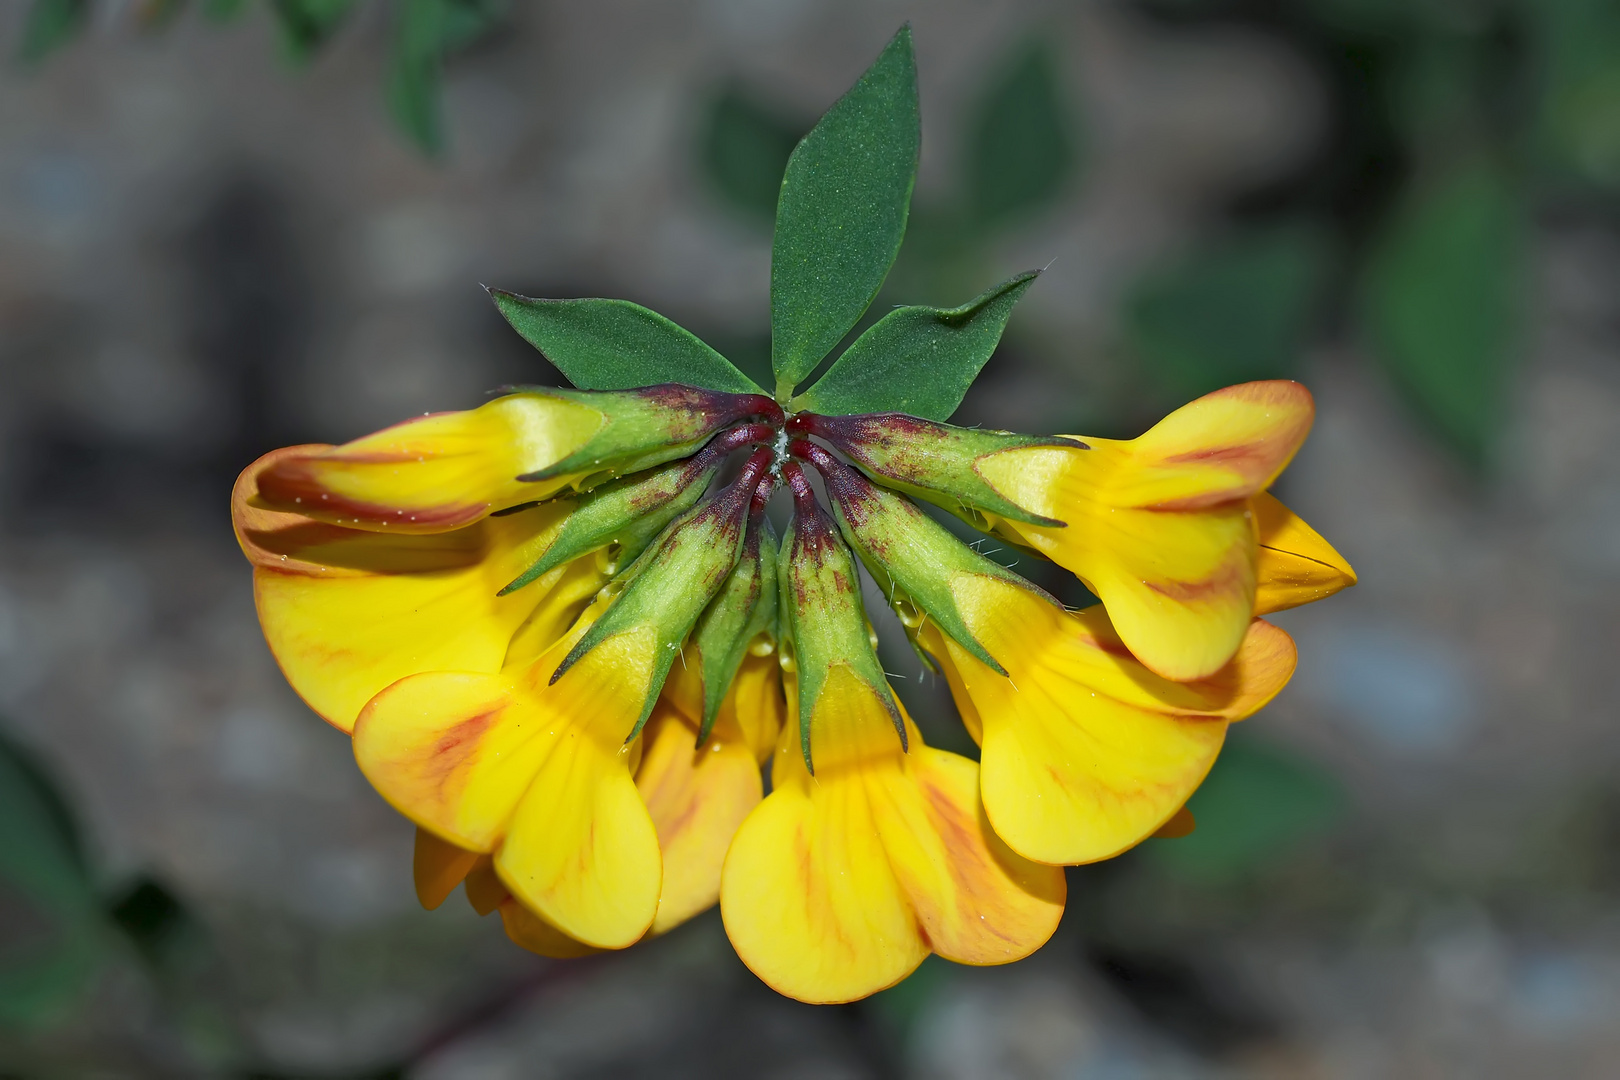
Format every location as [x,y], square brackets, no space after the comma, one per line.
[229,225]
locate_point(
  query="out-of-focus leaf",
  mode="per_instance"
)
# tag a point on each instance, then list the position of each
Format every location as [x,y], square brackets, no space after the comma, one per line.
[155,15]
[917,360]
[1236,311]
[1023,145]
[745,150]
[223,11]
[904,1003]
[842,213]
[1258,802]
[617,345]
[49,25]
[1442,301]
[427,31]
[1580,107]
[51,940]
[306,24]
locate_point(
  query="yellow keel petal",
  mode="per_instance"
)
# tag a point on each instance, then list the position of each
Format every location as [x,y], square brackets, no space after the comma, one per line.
[977,901]
[529,930]
[697,798]
[438,866]
[1296,565]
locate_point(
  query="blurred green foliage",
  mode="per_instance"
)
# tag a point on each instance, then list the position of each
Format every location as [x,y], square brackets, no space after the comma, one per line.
[62,928]
[1023,145]
[49,25]
[1452,122]
[1237,310]
[1258,803]
[425,32]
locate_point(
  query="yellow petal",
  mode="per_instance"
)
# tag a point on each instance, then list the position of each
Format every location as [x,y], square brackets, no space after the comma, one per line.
[1296,565]
[347,613]
[977,901]
[529,930]
[809,899]
[755,704]
[435,473]
[1158,527]
[485,892]
[839,884]
[1085,751]
[697,798]
[580,849]
[438,866]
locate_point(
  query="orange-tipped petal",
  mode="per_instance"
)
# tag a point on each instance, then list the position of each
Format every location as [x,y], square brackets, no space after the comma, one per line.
[977,901]
[697,797]
[438,866]
[529,930]
[435,473]
[1296,565]
[1085,751]
[838,885]
[347,612]
[1159,526]
[1182,824]
[485,891]
[580,849]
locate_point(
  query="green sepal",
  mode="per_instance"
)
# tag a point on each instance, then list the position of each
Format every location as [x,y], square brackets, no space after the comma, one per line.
[917,360]
[645,427]
[913,558]
[672,582]
[931,461]
[627,513]
[744,609]
[617,345]
[842,213]
[822,617]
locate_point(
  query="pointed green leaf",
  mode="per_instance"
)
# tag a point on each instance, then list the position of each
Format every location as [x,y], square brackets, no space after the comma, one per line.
[917,360]
[1444,302]
[842,213]
[1023,146]
[617,345]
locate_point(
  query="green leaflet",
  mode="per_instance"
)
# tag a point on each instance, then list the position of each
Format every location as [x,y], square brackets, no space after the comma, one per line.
[1023,148]
[1442,300]
[917,360]
[842,213]
[617,345]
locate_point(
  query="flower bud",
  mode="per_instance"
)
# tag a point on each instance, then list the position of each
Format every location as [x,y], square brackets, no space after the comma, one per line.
[741,614]
[630,512]
[668,587]
[916,561]
[824,624]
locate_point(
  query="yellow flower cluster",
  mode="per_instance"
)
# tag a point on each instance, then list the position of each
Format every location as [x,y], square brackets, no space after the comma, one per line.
[520,612]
